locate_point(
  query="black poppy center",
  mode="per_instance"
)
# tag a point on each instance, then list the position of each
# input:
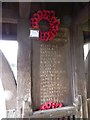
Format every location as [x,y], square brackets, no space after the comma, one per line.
[44,26]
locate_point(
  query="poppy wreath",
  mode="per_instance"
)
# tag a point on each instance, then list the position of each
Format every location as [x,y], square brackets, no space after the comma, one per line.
[54,23]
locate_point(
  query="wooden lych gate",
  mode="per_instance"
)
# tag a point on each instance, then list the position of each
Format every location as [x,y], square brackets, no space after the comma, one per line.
[51,71]
[64,80]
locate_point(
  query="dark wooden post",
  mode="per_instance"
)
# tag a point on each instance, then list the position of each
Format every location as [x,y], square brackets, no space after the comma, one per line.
[24,62]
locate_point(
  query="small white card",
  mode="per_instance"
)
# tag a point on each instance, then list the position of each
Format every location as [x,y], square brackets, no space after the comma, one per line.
[34,33]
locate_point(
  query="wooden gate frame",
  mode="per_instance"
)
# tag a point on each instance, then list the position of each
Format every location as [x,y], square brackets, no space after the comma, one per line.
[79,107]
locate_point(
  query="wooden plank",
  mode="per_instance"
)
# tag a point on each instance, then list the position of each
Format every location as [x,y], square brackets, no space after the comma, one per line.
[79,80]
[54,73]
[9,16]
[9,31]
[88,108]
[35,73]
[24,67]
[77,42]
[24,9]
[9,20]
[24,62]
[9,37]
[9,13]
[87,63]
[55,113]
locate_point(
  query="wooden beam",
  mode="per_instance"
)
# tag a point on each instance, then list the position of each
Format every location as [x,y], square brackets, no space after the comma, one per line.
[9,37]
[55,113]
[83,16]
[9,20]
[9,13]
[9,16]
[24,9]
[77,42]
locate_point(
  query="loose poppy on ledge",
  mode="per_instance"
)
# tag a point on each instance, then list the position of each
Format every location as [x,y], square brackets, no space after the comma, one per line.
[51,22]
[51,105]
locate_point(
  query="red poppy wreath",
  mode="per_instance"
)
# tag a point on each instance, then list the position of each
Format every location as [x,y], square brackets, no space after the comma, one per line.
[47,17]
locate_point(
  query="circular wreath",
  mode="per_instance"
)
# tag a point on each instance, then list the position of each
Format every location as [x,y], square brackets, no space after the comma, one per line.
[48,17]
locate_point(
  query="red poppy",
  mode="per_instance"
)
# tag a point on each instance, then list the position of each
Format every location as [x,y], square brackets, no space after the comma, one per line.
[35,15]
[51,35]
[52,13]
[57,22]
[50,105]
[43,107]
[34,20]
[40,13]
[35,25]
[55,29]
[53,19]
[60,105]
